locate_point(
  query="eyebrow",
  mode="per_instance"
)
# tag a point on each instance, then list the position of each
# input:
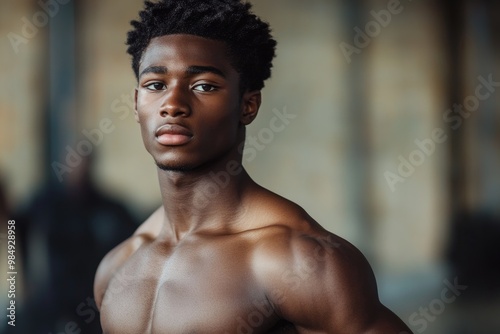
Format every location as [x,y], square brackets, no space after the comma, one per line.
[194,70]
[155,70]
[191,70]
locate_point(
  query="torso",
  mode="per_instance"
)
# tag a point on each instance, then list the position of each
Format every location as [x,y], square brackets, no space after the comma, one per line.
[275,263]
[205,284]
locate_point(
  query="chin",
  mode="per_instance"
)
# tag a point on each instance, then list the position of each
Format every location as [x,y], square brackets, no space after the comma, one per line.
[186,162]
[174,161]
[172,167]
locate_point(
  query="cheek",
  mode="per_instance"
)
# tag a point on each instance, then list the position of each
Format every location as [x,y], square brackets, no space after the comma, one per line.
[221,128]
[145,123]
[219,111]
[231,112]
[145,111]
[140,117]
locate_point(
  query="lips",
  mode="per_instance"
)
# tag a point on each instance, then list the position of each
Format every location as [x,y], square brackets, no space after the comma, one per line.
[173,135]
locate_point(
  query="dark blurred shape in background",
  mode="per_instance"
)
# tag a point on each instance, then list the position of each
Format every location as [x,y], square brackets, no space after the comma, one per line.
[474,253]
[67,231]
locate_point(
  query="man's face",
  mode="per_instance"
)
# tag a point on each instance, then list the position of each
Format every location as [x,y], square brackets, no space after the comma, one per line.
[188,102]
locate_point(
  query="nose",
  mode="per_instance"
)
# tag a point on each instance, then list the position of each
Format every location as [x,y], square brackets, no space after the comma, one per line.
[175,103]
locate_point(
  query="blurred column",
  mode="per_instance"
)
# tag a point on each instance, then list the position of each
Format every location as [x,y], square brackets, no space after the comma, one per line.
[62,85]
[480,140]
[453,14]
[58,123]
[358,155]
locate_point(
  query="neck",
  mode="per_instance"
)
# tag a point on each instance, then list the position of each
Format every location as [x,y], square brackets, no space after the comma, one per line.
[206,199]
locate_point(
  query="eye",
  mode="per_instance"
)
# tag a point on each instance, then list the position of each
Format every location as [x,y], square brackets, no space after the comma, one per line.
[205,88]
[156,86]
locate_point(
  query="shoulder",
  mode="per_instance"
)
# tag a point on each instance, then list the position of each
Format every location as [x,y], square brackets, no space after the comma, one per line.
[298,257]
[121,253]
[315,278]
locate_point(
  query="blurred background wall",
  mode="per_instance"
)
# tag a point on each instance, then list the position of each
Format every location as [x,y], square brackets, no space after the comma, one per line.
[394,144]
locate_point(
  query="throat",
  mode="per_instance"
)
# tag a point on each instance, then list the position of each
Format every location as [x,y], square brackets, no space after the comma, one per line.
[213,202]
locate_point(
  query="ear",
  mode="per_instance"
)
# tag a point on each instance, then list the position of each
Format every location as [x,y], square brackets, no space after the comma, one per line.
[250,106]
[136,114]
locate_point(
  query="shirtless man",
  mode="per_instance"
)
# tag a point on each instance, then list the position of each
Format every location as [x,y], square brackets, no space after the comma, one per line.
[242,260]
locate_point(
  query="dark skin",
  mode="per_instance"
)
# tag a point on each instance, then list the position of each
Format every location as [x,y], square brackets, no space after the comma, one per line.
[237,258]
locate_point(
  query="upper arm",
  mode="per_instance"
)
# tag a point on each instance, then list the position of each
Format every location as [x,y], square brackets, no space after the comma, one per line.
[325,285]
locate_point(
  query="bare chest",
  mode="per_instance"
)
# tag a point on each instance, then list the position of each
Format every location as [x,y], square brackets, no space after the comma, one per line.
[188,291]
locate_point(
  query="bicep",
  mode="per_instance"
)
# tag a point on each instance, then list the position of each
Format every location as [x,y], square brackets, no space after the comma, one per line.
[330,288]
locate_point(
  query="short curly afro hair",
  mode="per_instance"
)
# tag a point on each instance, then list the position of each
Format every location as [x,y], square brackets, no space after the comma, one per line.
[250,44]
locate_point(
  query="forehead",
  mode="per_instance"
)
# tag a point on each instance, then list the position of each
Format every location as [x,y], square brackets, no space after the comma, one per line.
[183,50]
